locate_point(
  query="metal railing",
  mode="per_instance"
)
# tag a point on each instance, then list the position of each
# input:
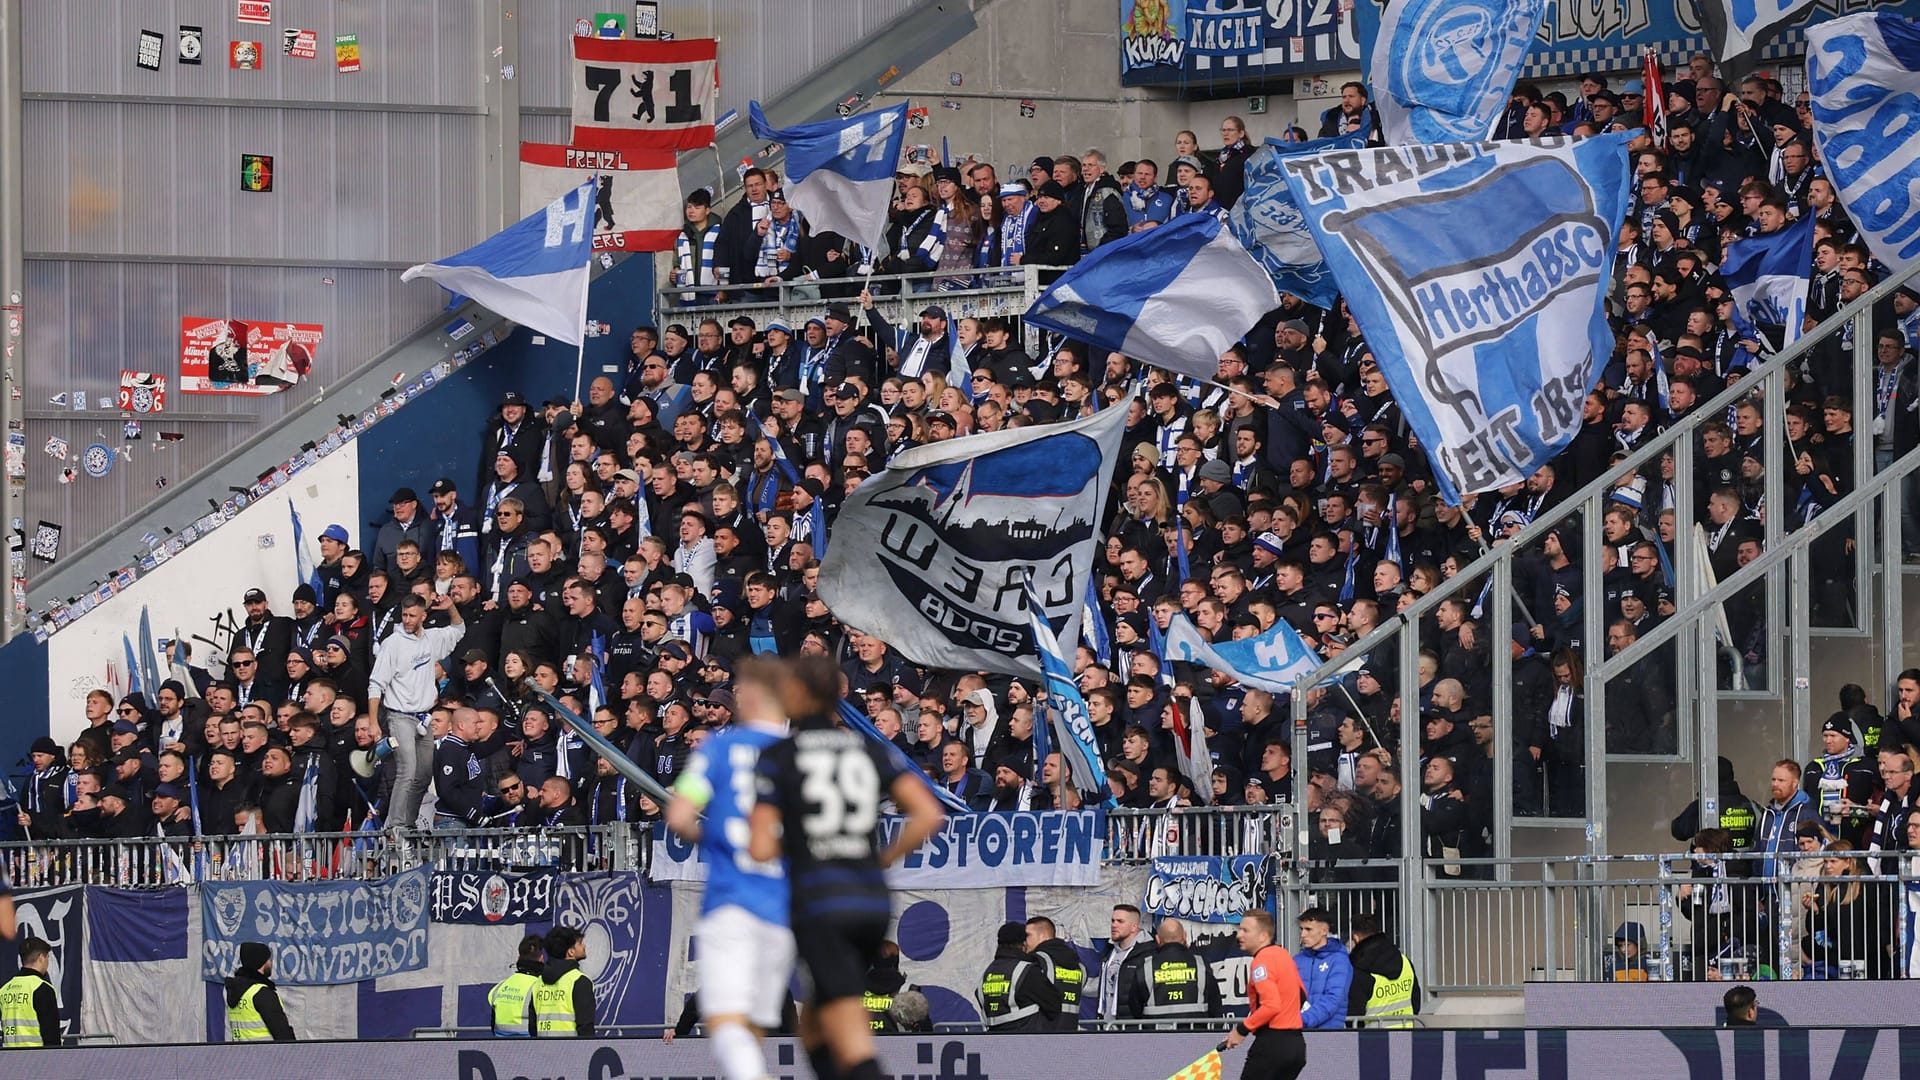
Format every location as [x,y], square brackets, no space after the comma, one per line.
[1779,583]
[1006,292]
[150,862]
[1139,836]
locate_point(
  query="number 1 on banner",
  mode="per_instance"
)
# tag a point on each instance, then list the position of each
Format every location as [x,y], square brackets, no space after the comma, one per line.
[640,95]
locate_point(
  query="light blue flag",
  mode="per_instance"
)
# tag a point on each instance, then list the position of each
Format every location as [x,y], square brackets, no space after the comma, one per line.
[1767,278]
[840,172]
[135,682]
[1268,224]
[863,724]
[1093,625]
[1079,750]
[1176,296]
[1478,273]
[534,272]
[305,569]
[1862,71]
[149,669]
[1272,661]
[1443,70]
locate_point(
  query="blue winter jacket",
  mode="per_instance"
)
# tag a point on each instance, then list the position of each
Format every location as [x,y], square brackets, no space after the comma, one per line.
[1327,974]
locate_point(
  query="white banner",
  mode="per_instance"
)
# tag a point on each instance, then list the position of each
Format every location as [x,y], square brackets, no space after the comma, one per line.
[638,208]
[971,851]
[637,95]
[933,555]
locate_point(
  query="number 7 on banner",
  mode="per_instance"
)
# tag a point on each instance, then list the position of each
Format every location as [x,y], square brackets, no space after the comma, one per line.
[644,95]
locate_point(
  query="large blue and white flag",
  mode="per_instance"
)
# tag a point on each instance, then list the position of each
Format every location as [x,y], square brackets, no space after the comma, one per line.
[1443,70]
[1268,224]
[840,172]
[1093,625]
[1767,277]
[1272,661]
[535,272]
[1176,296]
[1079,748]
[306,570]
[1863,74]
[1478,273]
[1736,28]
[932,555]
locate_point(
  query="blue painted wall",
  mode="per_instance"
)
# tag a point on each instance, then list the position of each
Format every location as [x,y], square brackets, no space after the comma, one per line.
[438,433]
[23,679]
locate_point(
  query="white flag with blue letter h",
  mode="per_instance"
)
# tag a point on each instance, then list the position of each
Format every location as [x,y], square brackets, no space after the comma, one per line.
[1443,70]
[1767,277]
[840,172]
[1272,661]
[1862,72]
[534,272]
[1177,296]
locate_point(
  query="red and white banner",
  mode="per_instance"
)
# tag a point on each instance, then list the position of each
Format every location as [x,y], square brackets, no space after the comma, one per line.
[227,356]
[644,95]
[639,204]
[142,392]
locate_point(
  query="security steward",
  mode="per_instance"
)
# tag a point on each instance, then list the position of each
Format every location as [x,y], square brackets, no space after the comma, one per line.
[1175,984]
[1062,967]
[1385,991]
[29,1005]
[1274,994]
[563,1004]
[1015,995]
[254,1011]
[884,983]
[511,999]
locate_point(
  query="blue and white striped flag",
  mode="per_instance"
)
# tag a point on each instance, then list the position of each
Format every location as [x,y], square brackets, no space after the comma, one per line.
[1490,336]
[1272,661]
[1176,296]
[1443,70]
[1767,277]
[1093,624]
[840,172]
[1861,75]
[305,569]
[534,272]
[149,667]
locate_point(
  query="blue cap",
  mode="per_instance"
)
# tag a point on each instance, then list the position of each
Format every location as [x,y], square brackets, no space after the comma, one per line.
[335,532]
[125,727]
[1634,87]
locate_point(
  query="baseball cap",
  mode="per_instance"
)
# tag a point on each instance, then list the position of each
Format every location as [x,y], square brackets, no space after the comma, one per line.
[741,320]
[846,390]
[335,532]
[913,168]
[933,311]
[442,486]
[840,312]
[166,791]
[401,495]
[627,474]
[937,417]
[254,596]
[473,656]
[512,397]
[125,727]
[790,395]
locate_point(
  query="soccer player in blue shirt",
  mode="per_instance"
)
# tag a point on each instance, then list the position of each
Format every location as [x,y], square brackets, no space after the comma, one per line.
[746,947]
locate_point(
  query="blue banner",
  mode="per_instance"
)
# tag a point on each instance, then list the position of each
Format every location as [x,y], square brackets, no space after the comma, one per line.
[132,926]
[1443,70]
[970,851]
[1182,41]
[321,934]
[1490,336]
[59,918]
[484,897]
[1211,889]
[1268,223]
[1861,73]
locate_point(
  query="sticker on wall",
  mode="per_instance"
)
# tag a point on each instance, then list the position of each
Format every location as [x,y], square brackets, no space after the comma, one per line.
[949,103]
[300,44]
[147,56]
[256,173]
[58,401]
[68,474]
[255,11]
[142,392]
[1026,108]
[917,116]
[97,460]
[227,356]
[245,55]
[646,19]
[192,44]
[346,53]
[609,24]
[583,27]
[78,399]
[56,448]
[954,78]
[130,431]
[46,542]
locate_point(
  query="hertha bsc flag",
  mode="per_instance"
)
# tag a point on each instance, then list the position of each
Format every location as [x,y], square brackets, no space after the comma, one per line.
[639,95]
[638,206]
[1443,70]
[840,172]
[1861,73]
[534,272]
[1478,272]
[932,555]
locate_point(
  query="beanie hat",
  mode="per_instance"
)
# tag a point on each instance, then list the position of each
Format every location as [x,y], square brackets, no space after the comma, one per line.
[254,955]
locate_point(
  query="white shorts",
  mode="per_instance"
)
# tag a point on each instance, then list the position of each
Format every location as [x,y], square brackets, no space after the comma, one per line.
[745,965]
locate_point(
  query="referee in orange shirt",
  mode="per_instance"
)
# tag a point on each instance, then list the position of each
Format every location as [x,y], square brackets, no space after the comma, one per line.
[1279,1050]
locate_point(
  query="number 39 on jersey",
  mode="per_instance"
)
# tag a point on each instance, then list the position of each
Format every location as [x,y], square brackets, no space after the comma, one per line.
[644,95]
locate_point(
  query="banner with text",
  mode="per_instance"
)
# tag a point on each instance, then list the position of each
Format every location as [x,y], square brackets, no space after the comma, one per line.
[971,851]
[641,95]
[638,208]
[485,897]
[321,934]
[230,356]
[59,918]
[1208,888]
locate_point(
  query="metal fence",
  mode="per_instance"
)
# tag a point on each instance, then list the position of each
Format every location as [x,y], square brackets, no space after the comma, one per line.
[1139,836]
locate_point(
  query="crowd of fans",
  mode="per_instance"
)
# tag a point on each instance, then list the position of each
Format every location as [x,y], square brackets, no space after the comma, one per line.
[622,552]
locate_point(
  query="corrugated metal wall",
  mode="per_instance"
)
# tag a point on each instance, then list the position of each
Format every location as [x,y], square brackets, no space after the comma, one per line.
[135,217]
